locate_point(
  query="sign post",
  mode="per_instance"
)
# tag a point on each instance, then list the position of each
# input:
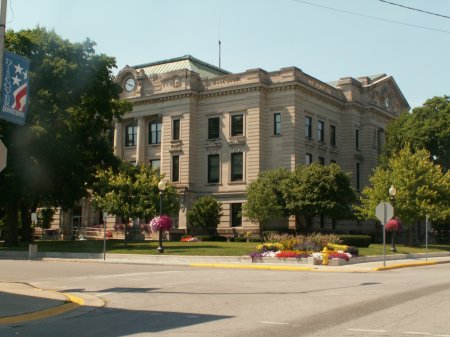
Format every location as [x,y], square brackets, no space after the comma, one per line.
[427,217]
[3,153]
[383,212]
[105,216]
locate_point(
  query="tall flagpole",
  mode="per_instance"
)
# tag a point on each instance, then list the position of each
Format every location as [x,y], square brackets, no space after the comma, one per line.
[2,38]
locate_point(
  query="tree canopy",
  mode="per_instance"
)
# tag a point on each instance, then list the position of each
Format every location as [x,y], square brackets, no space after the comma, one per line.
[426,127]
[132,192]
[309,191]
[265,198]
[422,189]
[315,189]
[73,101]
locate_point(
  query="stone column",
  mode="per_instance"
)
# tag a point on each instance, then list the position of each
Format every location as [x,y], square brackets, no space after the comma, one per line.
[140,148]
[118,139]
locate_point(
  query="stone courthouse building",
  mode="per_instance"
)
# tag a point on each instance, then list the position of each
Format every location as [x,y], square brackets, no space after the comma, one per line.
[211,132]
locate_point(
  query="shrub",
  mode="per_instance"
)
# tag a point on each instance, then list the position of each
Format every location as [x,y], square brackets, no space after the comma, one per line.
[356,240]
[205,213]
[211,238]
[353,250]
[240,239]
[441,231]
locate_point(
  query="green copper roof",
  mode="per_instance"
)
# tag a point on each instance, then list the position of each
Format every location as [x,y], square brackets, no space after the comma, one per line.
[185,62]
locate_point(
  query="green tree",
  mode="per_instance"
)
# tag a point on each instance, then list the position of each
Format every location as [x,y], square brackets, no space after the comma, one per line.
[315,189]
[132,192]
[422,188]
[265,198]
[205,213]
[73,101]
[426,127]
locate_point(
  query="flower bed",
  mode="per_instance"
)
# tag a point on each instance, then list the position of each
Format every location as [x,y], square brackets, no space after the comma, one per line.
[325,250]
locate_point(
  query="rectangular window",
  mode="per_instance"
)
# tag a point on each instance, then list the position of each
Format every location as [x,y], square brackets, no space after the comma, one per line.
[176,129]
[236,217]
[277,124]
[213,168]
[308,159]
[321,131]
[322,160]
[213,128]
[332,161]
[357,139]
[154,136]
[155,164]
[237,125]
[237,166]
[175,168]
[308,127]
[358,176]
[332,135]
[131,135]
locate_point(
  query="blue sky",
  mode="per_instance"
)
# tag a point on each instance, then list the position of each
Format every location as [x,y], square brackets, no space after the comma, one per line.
[269,34]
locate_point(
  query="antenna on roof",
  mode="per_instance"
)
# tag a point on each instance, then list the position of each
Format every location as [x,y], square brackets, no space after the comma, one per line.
[220,44]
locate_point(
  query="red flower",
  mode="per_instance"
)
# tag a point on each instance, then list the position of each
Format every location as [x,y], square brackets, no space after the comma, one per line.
[393,225]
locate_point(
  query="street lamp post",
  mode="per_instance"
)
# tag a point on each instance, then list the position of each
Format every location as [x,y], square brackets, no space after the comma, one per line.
[161,187]
[392,193]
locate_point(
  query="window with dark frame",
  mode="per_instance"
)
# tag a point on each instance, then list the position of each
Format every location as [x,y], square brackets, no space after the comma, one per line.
[175,168]
[321,131]
[213,168]
[176,129]
[322,160]
[213,127]
[131,135]
[308,127]
[236,217]
[332,135]
[154,136]
[308,158]
[357,139]
[237,166]
[358,176]
[277,124]
[155,164]
[237,125]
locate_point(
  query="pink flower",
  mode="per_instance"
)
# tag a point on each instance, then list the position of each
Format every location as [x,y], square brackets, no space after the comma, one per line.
[393,225]
[162,222]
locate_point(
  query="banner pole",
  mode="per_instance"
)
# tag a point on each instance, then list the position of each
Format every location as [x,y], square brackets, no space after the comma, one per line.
[2,39]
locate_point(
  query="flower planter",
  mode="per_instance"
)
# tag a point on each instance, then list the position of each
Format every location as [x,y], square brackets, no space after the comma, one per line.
[314,260]
[337,262]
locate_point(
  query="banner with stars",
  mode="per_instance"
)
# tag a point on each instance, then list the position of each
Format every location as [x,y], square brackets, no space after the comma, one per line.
[14,88]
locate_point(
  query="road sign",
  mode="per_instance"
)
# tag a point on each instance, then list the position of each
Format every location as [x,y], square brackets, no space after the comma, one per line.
[3,152]
[384,212]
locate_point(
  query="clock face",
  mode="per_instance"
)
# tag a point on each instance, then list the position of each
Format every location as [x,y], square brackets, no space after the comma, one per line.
[130,84]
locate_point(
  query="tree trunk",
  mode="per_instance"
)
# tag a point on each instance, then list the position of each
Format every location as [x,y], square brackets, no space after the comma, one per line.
[12,224]
[27,231]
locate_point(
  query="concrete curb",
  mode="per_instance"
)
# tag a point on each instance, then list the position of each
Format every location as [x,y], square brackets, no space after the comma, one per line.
[407,265]
[72,302]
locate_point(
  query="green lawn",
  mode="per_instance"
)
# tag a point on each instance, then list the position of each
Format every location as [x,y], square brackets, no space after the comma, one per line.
[147,247]
[191,248]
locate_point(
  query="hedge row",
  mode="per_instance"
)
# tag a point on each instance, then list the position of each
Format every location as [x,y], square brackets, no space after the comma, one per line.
[356,240]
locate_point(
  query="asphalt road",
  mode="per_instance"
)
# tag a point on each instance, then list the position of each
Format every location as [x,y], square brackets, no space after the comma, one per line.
[146,300]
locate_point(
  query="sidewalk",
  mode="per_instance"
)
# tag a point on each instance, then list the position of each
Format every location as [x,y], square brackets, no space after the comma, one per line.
[22,302]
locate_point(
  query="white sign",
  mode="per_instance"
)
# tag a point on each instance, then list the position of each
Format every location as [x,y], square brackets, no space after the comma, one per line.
[384,212]
[3,152]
